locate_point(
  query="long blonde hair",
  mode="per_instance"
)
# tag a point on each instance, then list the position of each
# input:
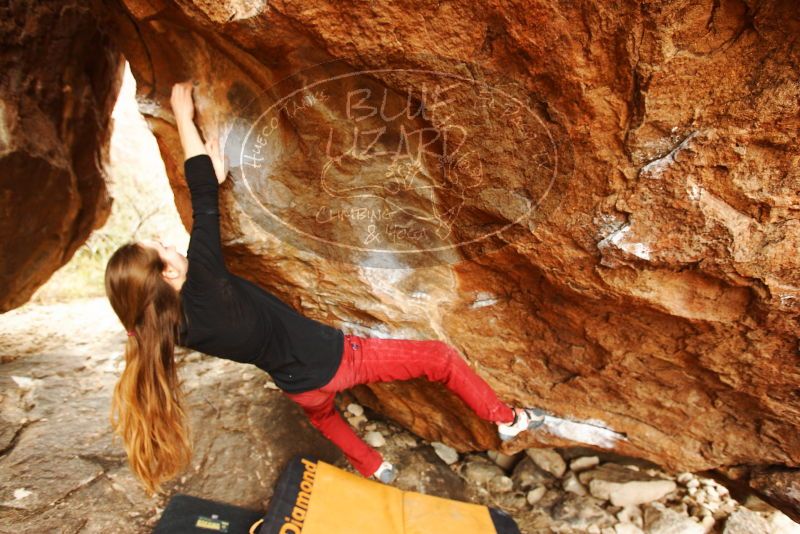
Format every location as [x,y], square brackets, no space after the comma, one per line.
[147,405]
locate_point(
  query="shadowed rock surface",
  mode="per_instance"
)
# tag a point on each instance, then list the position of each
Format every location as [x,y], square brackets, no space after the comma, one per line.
[59,84]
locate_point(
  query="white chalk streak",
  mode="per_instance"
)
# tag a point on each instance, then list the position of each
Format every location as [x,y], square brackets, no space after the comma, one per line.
[595,433]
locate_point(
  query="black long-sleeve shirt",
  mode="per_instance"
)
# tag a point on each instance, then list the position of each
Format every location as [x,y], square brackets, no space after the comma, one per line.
[233,318]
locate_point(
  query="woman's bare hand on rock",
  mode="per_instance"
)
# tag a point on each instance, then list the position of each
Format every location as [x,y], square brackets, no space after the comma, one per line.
[181,101]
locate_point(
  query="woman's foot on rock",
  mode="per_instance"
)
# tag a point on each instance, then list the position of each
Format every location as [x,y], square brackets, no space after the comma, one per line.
[524,419]
[386,473]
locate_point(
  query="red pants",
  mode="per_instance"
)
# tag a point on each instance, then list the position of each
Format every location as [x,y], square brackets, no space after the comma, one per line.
[370,359]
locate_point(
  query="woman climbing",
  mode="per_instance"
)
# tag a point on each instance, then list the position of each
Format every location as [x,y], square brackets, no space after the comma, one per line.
[165,299]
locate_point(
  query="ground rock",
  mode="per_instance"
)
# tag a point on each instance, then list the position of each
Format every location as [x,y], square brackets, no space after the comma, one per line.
[580,512]
[744,521]
[448,454]
[573,485]
[481,472]
[659,519]
[583,463]
[549,460]
[780,523]
[536,494]
[422,471]
[527,474]
[623,487]
[374,439]
[355,409]
[357,420]
[500,484]
[631,514]
[512,500]
[504,461]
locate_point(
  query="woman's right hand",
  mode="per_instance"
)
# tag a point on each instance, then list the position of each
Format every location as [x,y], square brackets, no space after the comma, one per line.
[181,101]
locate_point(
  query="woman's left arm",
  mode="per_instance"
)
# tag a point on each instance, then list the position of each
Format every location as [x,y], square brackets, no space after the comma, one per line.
[183,109]
[203,181]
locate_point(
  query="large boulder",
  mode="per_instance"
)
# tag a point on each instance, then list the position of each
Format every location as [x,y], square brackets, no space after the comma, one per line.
[61,77]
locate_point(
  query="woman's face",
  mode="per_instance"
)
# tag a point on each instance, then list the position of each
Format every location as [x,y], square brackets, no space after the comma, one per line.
[177,264]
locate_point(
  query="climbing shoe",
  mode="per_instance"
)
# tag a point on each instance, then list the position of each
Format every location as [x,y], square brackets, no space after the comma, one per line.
[524,419]
[386,473]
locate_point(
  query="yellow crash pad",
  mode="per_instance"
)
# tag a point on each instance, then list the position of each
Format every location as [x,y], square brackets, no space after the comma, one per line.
[344,503]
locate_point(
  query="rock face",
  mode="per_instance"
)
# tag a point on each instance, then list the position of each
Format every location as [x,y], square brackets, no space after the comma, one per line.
[595,203]
[60,81]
